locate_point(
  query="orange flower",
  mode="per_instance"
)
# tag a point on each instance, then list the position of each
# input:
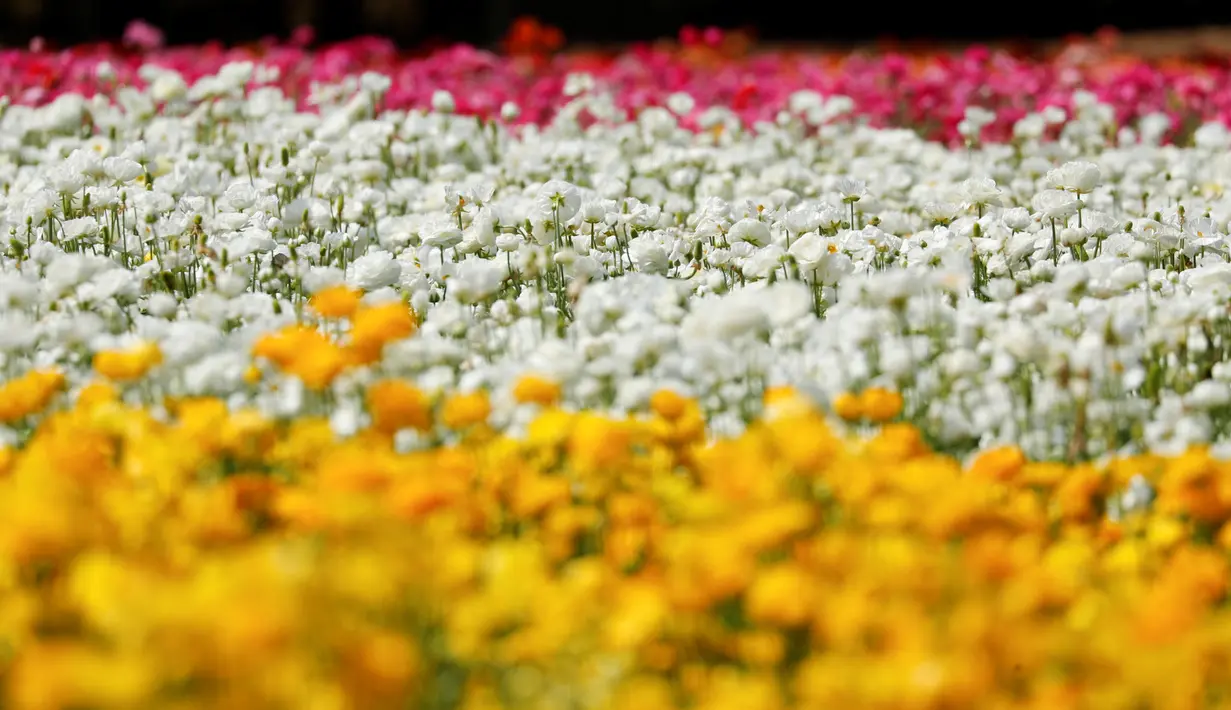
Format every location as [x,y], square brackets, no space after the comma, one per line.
[1077,493]
[128,365]
[372,327]
[1197,485]
[464,410]
[897,442]
[305,353]
[999,464]
[397,404]
[668,404]
[319,365]
[532,389]
[848,406]
[282,347]
[597,443]
[28,394]
[97,393]
[382,665]
[336,302]
[879,404]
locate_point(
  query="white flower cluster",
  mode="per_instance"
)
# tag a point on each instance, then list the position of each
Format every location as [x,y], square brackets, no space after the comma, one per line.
[1067,295]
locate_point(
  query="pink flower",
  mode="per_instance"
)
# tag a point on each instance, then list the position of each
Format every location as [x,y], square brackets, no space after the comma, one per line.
[303,36]
[143,35]
[929,93]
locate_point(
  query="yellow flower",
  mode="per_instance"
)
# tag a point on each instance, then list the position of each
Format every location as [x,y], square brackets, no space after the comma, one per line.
[645,692]
[59,675]
[679,421]
[625,559]
[127,365]
[354,467]
[550,428]
[98,393]
[729,689]
[28,394]
[336,301]
[639,613]
[110,594]
[209,516]
[781,596]
[464,410]
[532,389]
[598,443]
[706,566]
[804,441]
[397,404]
[248,435]
[761,648]
[536,493]
[302,443]
[1164,532]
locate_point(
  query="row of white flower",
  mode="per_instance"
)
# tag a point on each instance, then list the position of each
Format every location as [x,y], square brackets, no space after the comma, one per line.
[1069,295]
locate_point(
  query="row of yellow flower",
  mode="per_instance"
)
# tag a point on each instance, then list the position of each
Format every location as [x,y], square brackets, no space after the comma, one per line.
[222,559]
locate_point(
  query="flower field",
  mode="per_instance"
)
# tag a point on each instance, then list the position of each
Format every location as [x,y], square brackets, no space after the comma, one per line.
[688,377]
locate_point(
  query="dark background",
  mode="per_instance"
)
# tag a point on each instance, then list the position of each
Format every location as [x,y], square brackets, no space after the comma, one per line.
[412,23]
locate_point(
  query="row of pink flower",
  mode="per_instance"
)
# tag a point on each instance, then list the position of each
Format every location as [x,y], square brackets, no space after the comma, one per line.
[929,93]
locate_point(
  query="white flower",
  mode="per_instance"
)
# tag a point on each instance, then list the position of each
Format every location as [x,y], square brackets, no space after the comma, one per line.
[726,318]
[79,227]
[787,303]
[441,234]
[558,200]
[1209,394]
[648,255]
[18,332]
[161,305]
[1055,204]
[751,231]
[981,191]
[941,211]
[478,279]
[442,101]
[764,261]
[577,83]
[122,169]
[1017,218]
[850,189]
[681,103]
[374,270]
[319,278]
[1079,177]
